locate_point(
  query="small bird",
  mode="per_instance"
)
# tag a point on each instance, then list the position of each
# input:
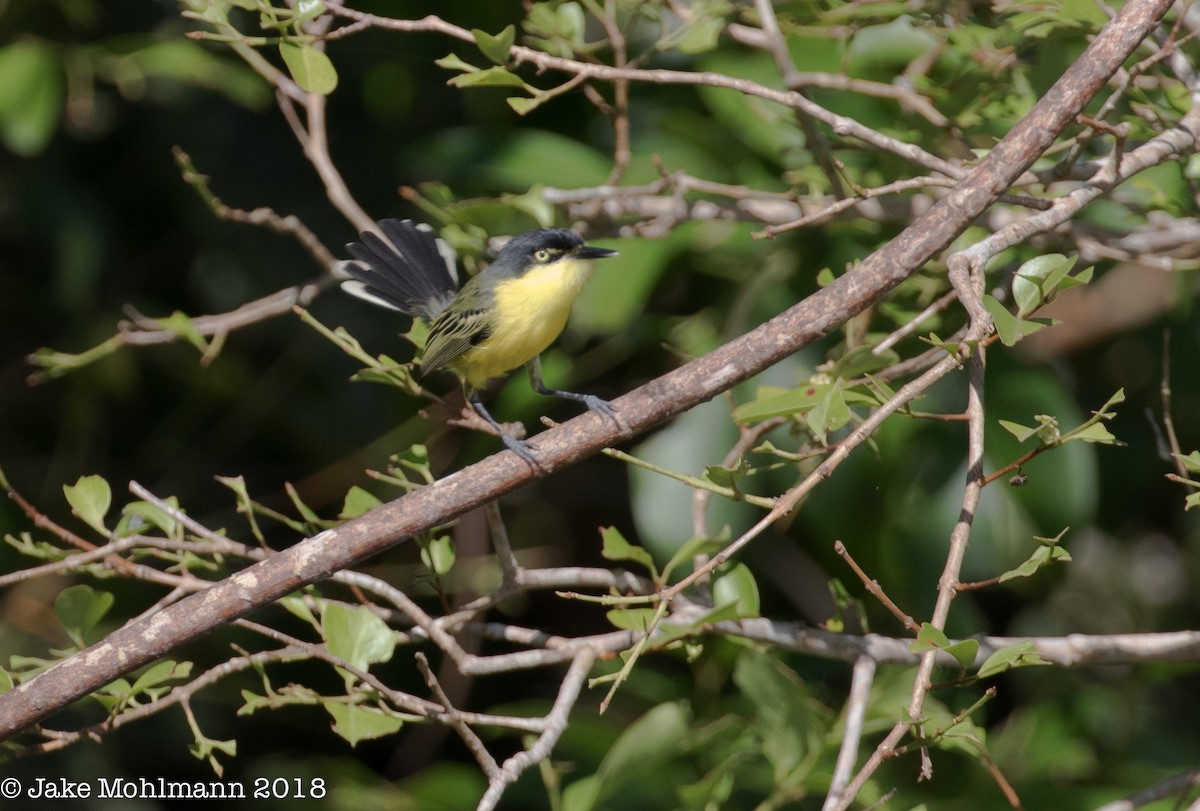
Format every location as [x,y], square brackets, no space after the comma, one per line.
[502,318]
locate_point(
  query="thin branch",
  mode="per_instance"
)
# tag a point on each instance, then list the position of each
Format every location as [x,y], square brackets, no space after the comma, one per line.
[455,719]
[556,724]
[873,586]
[1176,785]
[855,714]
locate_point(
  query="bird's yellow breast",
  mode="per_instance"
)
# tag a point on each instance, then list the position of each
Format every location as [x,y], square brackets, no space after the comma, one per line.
[528,314]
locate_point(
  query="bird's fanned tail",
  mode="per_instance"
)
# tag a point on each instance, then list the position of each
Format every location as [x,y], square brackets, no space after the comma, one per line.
[415,273]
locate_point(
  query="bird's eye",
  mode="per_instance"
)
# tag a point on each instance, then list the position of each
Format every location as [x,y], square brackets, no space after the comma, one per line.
[541,254]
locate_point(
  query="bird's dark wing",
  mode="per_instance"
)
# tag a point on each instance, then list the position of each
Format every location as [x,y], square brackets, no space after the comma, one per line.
[451,335]
[412,271]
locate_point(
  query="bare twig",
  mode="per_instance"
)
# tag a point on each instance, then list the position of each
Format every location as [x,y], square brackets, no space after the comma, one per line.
[555,725]
[873,586]
[856,710]
[1179,784]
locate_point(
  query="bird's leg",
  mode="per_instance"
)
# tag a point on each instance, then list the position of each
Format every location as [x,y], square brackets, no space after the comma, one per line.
[517,446]
[594,403]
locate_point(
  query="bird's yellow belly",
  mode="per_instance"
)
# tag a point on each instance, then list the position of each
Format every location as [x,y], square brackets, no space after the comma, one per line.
[529,314]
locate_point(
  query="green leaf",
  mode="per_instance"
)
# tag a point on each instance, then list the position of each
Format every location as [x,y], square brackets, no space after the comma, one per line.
[140,516]
[496,47]
[1039,280]
[356,635]
[829,414]
[1022,654]
[158,674]
[1096,432]
[700,36]
[522,105]
[774,402]
[357,502]
[298,606]
[1009,327]
[630,619]
[307,10]
[488,77]
[615,547]
[1190,462]
[90,497]
[691,548]
[310,67]
[931,638]
[355,723]
[788,720]
[31,96]
[727,476]
[79,608]
[438,555]
[452,61]
[1048,551]
[182,325]
[737,587]
[643,748]
[1021,432]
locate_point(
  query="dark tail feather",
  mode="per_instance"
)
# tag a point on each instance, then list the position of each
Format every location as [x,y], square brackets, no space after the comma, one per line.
[415,273]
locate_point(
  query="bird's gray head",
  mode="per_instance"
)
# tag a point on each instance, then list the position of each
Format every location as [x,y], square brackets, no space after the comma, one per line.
[543,246]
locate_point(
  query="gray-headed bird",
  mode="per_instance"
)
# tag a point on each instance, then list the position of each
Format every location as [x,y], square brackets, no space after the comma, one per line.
[503,317]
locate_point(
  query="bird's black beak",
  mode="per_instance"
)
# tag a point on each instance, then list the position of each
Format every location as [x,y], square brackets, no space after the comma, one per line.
[592,252]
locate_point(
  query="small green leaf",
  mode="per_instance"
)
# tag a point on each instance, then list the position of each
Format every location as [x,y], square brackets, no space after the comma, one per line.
[355,723]
[307,10]
[1038,281]
[1190,462]
[438,555]
[737,587]
[829,414]
[488,77]
[356,635]
[158,674]
[297,605]
[452,61]
[523,105]
[615,547]
[80,608]
[310,67]
[771,402]
[701,36]
[90,497]
[1009,327]
[930,638]
[727,476]
[31,95]
[1096,432]
[1022,654]
[1041,557]
[140,516]
[630,619]
[496,47]
[182,325]
[357,502]
[1021,432]
[691,548]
